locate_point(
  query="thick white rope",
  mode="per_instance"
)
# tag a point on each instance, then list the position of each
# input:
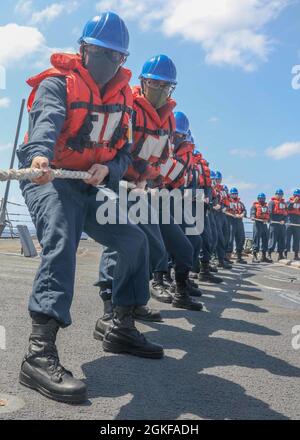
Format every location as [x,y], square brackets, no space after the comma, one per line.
[33,173]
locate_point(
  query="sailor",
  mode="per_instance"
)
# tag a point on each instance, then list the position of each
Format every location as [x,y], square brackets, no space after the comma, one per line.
[79,119]
[260,215]
[236,211]
[293,230]
[222,222]
[278,216]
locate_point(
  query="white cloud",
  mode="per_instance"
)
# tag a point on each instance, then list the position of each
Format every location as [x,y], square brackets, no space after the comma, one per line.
[4,147]
[283,151]
[231,32]
[243,153]
[17,42]
[22,42]
[53,11]
[232,181]
[26,9]
[23,7]
[4,102]
[213,120]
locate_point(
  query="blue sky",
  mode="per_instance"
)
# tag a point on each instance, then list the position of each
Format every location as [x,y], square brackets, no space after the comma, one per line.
[234,62]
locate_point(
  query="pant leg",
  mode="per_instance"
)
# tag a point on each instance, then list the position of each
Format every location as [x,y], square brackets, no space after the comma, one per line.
[296,239]
[195,240]
[222,238]
[214,231]
[232,233]
[178,246]
[256,236]
[289,235]
[281,238]
[272,237]
[264,237]
[131,273]
[240,235]
[205,254]
[58,211]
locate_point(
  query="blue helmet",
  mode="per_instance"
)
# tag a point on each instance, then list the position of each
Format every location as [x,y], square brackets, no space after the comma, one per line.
[212,174]
[182,123]
[160,68]
[225,188]
[261,196]
[297,192]
[106,30]
[279,192]
[219,175]
[234,191]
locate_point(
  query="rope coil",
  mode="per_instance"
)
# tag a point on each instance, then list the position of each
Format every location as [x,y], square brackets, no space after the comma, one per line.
[34,173]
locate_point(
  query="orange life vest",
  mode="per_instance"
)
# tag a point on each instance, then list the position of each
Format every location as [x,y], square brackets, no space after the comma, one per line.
[280,207]
[174,171]
[295,210]
[202,171]
[152,133]
[235,206]
[221,194]
[261,211]
[95,127]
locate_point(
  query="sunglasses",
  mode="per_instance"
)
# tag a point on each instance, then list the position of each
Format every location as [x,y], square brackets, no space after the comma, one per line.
[159,85]
[113,55]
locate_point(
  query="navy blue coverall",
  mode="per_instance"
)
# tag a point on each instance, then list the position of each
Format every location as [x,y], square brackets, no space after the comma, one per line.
[277,233]
[260,233]
[237,233]
[63,209]
[293,232]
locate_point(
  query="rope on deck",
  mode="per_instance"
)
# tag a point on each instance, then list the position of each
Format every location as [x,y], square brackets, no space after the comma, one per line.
[33,173]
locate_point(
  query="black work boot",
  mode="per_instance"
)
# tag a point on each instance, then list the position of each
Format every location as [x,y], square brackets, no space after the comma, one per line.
[123,337]
[270,256]
[213,268]
[255,258]
[240,259]
[167,277]
[182,297]
[224,264]
[285,253]
[228,257]
[41,369]
[264,258]
[103,323]
[296,256]
[159,290]
[206,276]
[145,313]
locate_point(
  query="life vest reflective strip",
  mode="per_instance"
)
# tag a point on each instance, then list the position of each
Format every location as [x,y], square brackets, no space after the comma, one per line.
[166,167]
[295,210]
[153,146]
[261,211]
[280,207]
[235,207]
[106,130]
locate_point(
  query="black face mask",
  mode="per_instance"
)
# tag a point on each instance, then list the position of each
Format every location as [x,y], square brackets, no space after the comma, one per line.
[178,141]
[101,67]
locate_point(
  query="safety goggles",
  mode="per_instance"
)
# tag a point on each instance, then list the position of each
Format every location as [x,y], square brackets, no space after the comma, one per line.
[159,85]
[113,55]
